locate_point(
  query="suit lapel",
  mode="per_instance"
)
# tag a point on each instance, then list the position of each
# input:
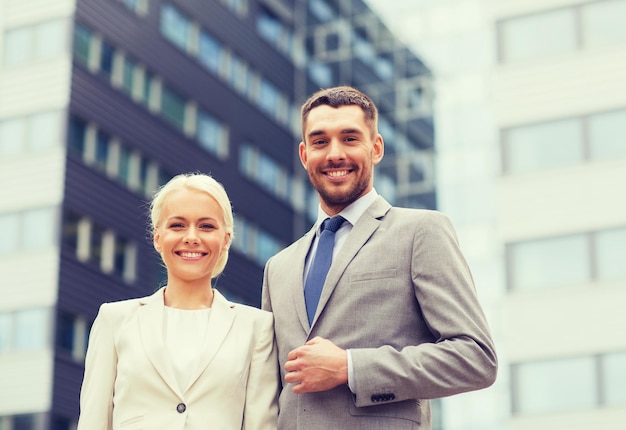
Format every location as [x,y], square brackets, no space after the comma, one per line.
[300,253]
[220,322]
[366,225]
[150,317]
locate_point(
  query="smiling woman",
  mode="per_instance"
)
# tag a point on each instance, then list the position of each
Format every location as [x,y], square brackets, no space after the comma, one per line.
[164,361]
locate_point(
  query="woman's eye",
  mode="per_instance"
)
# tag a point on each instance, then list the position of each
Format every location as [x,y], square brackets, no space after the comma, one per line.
[176,225]
[207,226]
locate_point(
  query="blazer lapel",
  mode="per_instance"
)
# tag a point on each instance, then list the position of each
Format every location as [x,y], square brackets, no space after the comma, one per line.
[297,292]
[367,224]
[220,322]
[150,317]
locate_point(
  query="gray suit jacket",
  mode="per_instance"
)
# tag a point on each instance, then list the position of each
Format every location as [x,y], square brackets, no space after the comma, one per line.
[400,296]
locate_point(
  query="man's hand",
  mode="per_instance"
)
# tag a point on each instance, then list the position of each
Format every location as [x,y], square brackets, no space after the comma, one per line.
[318,365]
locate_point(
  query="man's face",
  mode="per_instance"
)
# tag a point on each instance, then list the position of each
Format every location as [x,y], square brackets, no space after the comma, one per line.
[339,154]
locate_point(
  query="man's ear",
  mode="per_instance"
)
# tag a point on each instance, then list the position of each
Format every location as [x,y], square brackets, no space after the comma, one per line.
[303,154]
[379,149]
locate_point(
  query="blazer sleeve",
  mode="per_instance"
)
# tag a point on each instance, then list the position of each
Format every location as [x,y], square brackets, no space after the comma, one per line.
[96,396]
[261,408]
[461,356]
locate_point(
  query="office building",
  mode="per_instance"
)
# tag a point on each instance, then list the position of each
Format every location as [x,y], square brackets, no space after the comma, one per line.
[102,101]
[531,161]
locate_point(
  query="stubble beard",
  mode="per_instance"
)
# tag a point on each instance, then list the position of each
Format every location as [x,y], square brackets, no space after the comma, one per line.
[334,197]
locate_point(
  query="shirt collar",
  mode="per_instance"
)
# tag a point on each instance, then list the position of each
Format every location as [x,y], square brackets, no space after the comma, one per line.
[351,213]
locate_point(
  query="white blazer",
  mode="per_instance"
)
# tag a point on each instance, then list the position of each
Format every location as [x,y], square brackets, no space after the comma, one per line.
[129,383]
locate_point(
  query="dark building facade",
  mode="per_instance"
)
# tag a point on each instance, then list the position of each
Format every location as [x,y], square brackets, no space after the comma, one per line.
[160,87]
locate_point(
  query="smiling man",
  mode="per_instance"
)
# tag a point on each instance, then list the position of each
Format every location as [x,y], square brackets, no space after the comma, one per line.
[395,320]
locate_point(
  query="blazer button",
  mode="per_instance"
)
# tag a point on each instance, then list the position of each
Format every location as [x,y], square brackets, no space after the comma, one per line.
[180,408]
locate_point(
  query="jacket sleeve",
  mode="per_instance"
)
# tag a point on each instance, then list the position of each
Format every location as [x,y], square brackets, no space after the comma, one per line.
[461,356]
[96,396]
[261,408]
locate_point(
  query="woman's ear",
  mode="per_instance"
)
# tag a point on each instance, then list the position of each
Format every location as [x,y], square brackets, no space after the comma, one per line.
[155,240]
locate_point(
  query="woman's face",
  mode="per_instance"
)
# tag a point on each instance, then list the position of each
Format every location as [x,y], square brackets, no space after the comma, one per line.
[190,236]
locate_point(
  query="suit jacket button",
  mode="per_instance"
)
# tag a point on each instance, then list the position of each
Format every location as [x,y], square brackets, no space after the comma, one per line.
[180,408]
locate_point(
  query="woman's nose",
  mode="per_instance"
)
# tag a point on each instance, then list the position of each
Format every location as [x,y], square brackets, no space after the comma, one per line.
[191,236]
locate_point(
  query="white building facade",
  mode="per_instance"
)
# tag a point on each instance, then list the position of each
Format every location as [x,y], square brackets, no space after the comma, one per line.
[530,115]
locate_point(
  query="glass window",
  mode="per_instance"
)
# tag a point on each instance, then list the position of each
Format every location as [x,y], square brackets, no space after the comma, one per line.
[70,231]
[322,10]
[607,134]
[31,329]
[128,76]
[101,155]
[124,165]
[212,135]
[319,72]
[82,44]
[175,26]
[210,52]
[173,108]
[12,136]
[549,262]
[549,386]
[39,228]
[543,146]
[76,135]
[614,378]
[10,228]
[6,331]
[538,35]
[107,53]
[44,130]
[18,44]
[25,422]
[49,39]
[603,22]
[97,239]
[610,251]
[65,332]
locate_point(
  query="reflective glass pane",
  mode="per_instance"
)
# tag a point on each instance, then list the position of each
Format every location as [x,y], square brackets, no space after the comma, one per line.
[175,27]
[550,263]
[614,374]
[173,108]
[10,228]
[539,35]
[550,386]
[604,22]
[544,146]
[50,39]
[611,253]
[106,59]
[6,330]
[12,136]
[39,228]
[32,327]
[607,134]
[44,130]
[82,44]
[18,45]
[210,52]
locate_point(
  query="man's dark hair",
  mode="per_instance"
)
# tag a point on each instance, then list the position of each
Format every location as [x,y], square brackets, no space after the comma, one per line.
[342,96]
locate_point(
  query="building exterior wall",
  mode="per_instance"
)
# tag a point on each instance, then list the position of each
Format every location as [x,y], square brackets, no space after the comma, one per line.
[555,324]
[102,101]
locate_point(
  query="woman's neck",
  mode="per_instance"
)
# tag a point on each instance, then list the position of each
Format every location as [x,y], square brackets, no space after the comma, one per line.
[188,297]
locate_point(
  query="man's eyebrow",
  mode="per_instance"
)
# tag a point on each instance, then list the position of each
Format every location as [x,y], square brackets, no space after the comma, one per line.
[314,133]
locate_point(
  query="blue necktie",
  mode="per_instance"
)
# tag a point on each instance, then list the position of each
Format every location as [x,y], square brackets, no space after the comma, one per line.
[321,263]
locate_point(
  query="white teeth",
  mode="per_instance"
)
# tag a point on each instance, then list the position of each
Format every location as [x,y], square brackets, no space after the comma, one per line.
[338,173]
[190,254]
